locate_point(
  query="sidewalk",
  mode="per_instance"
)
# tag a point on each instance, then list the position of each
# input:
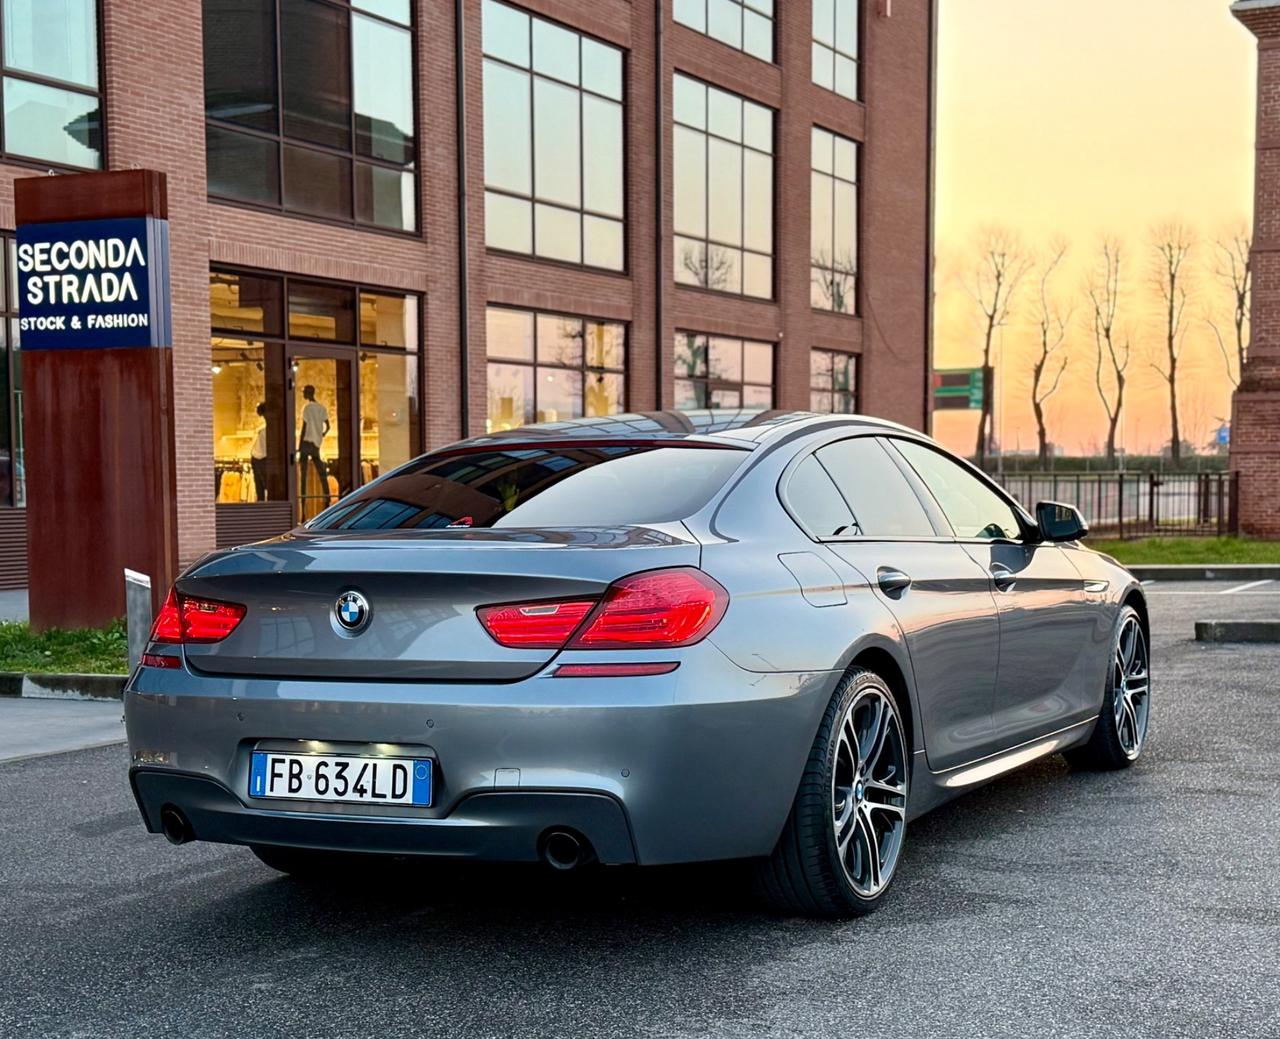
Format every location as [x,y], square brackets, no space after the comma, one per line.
[29,728]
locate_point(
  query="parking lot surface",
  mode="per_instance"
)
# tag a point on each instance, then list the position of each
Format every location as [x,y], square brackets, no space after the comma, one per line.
[1050,903]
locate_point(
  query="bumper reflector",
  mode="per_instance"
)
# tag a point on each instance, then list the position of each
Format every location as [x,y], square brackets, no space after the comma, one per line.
[615,670]
[157,660]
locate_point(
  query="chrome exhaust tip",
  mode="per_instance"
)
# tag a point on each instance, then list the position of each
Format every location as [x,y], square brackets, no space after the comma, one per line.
[563,850]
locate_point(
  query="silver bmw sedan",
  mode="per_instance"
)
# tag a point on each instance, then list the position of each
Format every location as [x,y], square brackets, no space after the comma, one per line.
[653,638]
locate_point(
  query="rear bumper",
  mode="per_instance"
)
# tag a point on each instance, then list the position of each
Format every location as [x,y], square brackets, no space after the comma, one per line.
[495,826]
[702,763]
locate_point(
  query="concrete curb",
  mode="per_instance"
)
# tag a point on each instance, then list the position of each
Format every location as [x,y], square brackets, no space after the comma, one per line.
[1206,572]
[1238,631]
[62,687]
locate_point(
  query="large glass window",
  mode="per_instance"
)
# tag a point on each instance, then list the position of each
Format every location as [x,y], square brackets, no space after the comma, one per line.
[973,507]
[316,118]
[815,501]
[723,163]
[552,367]
[552,140]
[720,372]
[833,220]
[583,485]
[835,45]
[833,382]
[530,486]
[744,24]
[356,350]
[52,97]
[883,503]
[13,475]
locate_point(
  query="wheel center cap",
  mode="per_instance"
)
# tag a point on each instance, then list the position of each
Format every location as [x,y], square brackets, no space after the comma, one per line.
[858,790]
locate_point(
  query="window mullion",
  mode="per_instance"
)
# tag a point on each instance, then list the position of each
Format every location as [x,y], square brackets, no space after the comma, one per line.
[533,189]
[3,128]
[351,116]
[582,184]
[534,362]
[279,105]
[706,204]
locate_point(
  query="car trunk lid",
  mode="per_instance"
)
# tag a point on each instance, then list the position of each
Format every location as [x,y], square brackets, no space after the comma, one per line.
[422,588]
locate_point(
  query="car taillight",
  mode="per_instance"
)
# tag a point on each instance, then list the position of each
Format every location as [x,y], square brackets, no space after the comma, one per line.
[661,608]
[205,621]
[535,625]
[651,610]
[183,619]
[168,625]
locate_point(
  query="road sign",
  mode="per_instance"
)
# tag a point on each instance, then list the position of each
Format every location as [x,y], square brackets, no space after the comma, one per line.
[1224,435]
[957,388]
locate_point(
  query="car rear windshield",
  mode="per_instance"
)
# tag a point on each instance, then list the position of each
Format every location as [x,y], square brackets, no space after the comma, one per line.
[593,485]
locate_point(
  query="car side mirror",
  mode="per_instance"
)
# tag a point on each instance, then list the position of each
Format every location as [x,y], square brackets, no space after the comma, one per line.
[1060,522]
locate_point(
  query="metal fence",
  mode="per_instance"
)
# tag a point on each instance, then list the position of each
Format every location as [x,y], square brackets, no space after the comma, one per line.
[1134,505]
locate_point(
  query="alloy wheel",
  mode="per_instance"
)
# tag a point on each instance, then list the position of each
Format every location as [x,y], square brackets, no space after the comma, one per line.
[1131,687]
[869,792]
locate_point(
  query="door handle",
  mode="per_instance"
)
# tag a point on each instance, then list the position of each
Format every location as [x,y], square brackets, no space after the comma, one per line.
[1003,577]
[891,581]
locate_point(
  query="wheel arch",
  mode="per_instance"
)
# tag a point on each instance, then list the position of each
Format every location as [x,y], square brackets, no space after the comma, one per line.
[882,662]
[1134,597]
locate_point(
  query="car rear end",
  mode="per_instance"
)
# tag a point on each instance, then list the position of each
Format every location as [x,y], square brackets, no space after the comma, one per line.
[474,656]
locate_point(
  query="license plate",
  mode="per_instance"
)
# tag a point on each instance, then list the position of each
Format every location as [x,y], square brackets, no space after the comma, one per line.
[322,777]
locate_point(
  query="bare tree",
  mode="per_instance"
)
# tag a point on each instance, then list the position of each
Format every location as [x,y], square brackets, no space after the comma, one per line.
[1171,245]
[834,281]
[1112,349]
[1233,270]
[709,266]
[1000,266]
[1051,361]
[1197,416]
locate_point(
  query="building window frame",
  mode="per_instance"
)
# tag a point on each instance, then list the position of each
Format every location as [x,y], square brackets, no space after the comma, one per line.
[828,49]
[833,285]
[701,380]
[280,141]
[693,252]
[98,92]
[535,363]
[697,15]
[352,351]
[536,200]
[825,378]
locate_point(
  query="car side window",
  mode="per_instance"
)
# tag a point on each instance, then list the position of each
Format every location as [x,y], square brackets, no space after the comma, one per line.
[973,509]
[815,502]
[883,503]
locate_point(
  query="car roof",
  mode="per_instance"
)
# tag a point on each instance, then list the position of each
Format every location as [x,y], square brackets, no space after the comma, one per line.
[741,427]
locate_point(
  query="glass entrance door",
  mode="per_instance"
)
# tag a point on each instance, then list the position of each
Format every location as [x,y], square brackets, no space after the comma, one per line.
[324,446]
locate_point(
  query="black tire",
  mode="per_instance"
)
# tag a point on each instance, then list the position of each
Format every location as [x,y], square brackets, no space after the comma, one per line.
[804,874]
[1105,751]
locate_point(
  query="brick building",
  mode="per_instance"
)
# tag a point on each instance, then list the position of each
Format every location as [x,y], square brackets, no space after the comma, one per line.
[1255,422]
[671,203]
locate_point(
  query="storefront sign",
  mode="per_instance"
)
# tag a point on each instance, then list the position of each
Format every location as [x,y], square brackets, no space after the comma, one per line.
[90,284]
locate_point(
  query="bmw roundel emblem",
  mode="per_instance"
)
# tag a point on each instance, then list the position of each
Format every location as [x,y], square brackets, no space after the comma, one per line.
[351,611]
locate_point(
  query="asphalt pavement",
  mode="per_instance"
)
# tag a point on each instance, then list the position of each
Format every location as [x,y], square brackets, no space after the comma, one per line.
[1050,903]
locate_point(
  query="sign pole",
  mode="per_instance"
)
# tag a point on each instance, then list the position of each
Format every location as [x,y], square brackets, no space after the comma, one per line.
[93,283]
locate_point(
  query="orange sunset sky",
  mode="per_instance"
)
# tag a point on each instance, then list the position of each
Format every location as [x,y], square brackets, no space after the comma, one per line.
[1081,118]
